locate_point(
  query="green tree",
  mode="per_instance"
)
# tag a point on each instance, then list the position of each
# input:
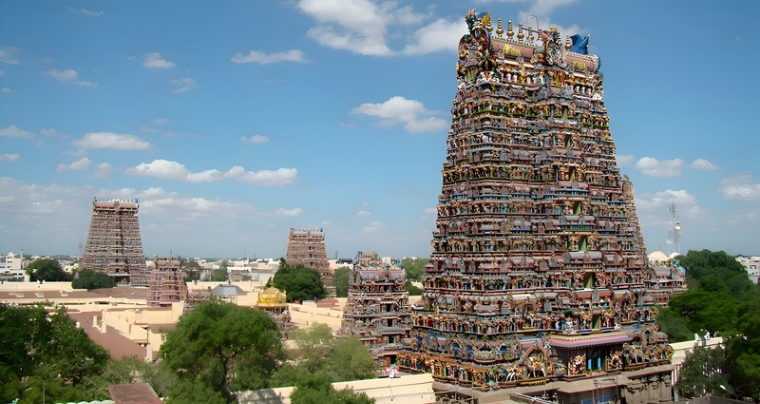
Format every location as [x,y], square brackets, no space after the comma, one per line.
[317,389]
[702,372]
[221,346]
[46,269]
[340,281]
[42,350]
[415,267]
[721,299]
[413,290]
[319,352]
[299,283]
[217,275]
[89,279]
[191,268]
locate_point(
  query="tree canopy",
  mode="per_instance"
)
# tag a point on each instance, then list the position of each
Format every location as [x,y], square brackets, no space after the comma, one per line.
[220,347]
[340,281]
[415,267]
[42,350]
[319,352]
[299,283]
[722,300]
[89,279]
[46,269]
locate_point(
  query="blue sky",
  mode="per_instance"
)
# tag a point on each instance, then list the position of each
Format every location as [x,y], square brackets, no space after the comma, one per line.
[233,122]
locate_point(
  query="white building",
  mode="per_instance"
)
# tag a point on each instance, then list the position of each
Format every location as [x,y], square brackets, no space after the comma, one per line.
[752,265]
[13,261]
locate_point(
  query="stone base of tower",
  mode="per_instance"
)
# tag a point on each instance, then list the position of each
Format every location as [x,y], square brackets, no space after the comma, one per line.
[651,385]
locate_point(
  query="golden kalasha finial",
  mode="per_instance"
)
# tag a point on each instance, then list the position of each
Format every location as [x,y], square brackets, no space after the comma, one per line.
[520,34]
[510,33]
[499,29]
[530,35]
[568,42]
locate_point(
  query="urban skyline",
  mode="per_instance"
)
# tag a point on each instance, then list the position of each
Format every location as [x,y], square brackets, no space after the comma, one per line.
[232,129]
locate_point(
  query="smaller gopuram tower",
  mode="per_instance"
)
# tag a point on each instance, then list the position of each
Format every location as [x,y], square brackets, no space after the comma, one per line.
[306,247]
[377,310]
[114,245]
[274,302]
[166,282]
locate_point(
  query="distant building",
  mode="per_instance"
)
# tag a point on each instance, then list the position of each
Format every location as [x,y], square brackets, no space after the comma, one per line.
[114,245]
[12,261]
[752,265]
[307,248]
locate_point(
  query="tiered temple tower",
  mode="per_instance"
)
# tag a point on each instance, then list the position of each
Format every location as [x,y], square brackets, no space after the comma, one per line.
[166,282]
[114,245]
[538,271]
[377,309]
[306,247]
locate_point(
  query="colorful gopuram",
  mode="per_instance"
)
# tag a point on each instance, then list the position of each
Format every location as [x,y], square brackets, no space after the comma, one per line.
[274,302]
[377,309]
[166,282]
[114,245]
[306,247]
[538,271]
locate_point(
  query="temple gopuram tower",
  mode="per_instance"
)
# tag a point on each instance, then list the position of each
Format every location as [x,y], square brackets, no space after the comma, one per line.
[306,247]
[538,271]
[377,310]
[114,245]
[166,282]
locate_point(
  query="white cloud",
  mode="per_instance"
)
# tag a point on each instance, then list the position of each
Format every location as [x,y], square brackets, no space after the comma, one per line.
[172,170]
[397,109]
[70,76]
[183,84]
[80,164]
[8,55]
[2,73]
[358,26]
[740,188]
[373,227]
[91,13]
[660,168]
[544,8]
[5,90]
[162,121]
[52,132]
[662,200]
[14,131]
[625,160]
[102,170]
[9,157]
[288,212]
[293,55]
[439,35]
[279,177]
[108,140]
[363,213]
[254,139]
[702,164]
[153,60]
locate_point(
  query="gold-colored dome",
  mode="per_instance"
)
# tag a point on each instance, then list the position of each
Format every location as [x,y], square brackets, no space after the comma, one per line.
[272,297]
